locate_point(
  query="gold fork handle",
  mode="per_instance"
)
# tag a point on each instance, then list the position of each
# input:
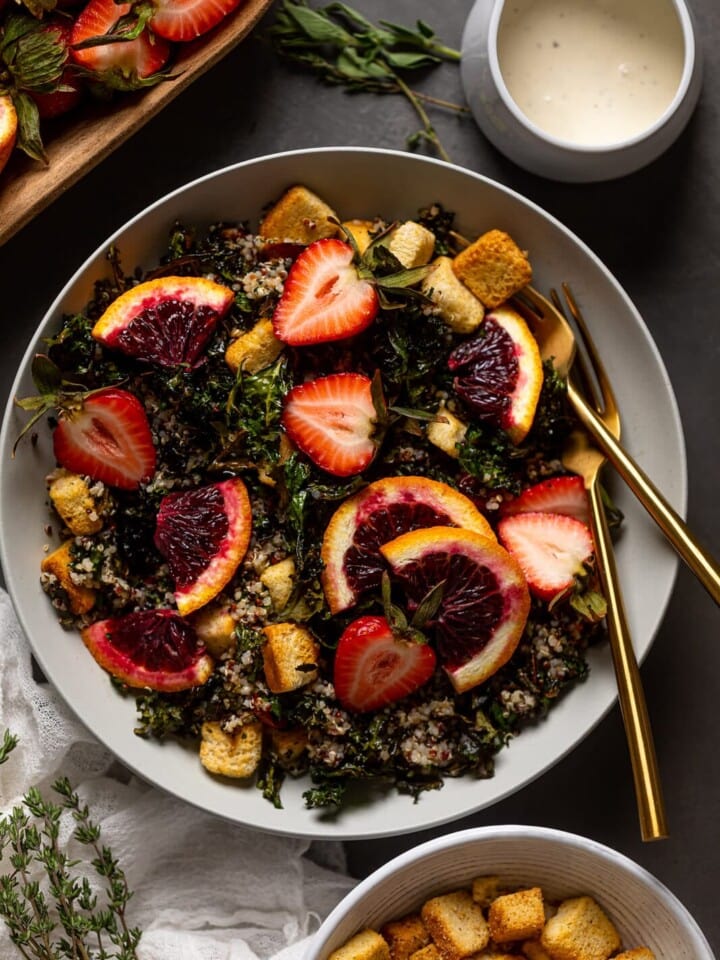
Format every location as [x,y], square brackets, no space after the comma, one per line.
[698,560]
[648,792]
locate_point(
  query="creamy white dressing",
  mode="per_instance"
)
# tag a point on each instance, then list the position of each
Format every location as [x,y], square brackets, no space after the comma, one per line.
[592,72]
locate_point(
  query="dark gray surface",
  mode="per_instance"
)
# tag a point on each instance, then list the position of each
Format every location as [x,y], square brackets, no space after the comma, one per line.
[658,230]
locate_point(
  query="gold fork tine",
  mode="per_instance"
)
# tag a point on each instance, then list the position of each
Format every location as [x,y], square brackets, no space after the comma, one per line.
[581,371]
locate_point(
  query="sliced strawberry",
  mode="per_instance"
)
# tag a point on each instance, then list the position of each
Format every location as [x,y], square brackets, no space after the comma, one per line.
[107,438]
[566,495]
[186,19]
[373,667]
[550,548]
[332,420]
[122,65]
[324,297]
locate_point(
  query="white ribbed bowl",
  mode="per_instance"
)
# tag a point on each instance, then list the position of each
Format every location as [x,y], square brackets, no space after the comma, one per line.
[644,911]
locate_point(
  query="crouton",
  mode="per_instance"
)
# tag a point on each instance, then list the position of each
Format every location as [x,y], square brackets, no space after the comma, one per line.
[637,953]
[456,924]
[493,268]
[446,432]
[366,945]
[299,216]
[215,628]
[405,936]
[580,930]
[290,655]
[360,230]
[234,754]
[254,350]
[279,581]
[458,306]
[412,244]
[430,952]
[517,916]
[80,598]
[533,950]
[289,745]
[71,497]
[485,889]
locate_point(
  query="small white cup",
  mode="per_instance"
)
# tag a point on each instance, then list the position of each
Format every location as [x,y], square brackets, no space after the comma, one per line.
[507,127]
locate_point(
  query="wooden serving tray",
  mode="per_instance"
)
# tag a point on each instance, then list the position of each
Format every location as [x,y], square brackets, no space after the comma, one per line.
[88,136]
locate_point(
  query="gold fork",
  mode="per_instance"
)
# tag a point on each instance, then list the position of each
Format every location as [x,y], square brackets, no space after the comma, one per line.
[557,340]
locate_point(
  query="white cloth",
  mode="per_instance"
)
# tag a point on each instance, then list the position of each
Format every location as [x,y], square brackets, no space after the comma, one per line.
[203,889]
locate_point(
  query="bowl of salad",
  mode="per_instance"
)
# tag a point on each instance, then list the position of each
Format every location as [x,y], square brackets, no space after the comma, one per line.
[282,491]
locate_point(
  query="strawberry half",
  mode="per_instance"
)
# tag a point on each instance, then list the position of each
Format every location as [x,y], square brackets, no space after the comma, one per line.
[333,420]
[324,297]
[566,495]
[125,65]
[374,667]
[182,20]
[107,437]
[550,548]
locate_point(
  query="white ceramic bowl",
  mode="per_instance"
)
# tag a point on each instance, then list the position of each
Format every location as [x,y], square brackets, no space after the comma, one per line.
[563,864]
[507,127]
[358,183]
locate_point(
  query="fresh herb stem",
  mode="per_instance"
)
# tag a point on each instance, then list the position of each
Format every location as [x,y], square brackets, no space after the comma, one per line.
[67,921]
[342,47]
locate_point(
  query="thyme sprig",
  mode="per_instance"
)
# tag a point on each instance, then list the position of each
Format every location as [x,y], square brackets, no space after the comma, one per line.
[343,47]
[65,916]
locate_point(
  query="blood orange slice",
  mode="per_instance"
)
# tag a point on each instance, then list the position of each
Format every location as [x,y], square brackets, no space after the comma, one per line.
[485,603]
[204,534]
[379,513]
[499,373]
[152,648]
[167,321]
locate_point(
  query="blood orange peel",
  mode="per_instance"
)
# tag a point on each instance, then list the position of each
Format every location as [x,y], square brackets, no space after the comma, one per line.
[485,601]
[378,514]
[167,321]
[499,373]
[204,534]
[155,649]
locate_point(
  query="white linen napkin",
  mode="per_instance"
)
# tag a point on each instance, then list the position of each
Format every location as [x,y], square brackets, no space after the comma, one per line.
[203,889]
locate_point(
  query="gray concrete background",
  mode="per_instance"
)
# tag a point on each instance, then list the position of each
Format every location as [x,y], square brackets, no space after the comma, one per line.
[657,230]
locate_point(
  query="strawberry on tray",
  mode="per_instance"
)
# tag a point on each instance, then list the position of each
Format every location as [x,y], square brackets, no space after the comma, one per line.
[311,504]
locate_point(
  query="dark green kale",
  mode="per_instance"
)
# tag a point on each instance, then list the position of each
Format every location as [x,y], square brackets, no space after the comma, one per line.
[440,222]
[488,454]
[552,421]
[406,346]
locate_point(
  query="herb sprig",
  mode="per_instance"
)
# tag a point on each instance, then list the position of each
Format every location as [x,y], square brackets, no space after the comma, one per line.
[66,917]
[343,47]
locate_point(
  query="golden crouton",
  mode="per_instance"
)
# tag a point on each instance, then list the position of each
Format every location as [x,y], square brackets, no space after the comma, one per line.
[580,930]
[637,953]
[446,432]
[412,244]
[254,350]
[231,754]
[289,745]
[456,924]
[72,499]
[405,936]
[366,945]
[80,598]
[430,952]
[517,916]
[360,230]
[290,655]
[485,889]
[459,308]
[215,628]
[533,950]
[279,581]
[299,216]
[493,267]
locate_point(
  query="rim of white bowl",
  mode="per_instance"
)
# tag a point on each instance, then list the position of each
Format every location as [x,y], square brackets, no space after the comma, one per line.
[551,835]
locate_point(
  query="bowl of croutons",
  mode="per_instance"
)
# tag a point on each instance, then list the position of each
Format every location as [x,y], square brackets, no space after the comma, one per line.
[510,893]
